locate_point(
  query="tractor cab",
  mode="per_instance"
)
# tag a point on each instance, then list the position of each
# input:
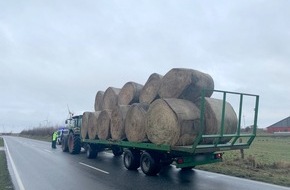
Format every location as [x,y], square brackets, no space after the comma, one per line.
[74,123]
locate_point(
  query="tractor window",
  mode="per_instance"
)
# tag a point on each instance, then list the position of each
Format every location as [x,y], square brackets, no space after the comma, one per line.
[79,123]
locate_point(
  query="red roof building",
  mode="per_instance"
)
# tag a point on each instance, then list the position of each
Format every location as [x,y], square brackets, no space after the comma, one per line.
[281,126]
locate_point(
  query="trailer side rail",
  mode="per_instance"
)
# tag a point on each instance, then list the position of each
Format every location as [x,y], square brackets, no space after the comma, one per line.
[217,145]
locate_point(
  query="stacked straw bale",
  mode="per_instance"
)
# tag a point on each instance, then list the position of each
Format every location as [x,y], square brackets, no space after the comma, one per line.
[163,111]
[85,125]
[185,84]
[149,92]
[118,117]
[129,93]
[136,122]
[110,98]
[213,115]
[104,124]
[99,101]
[172,121]
[92,124]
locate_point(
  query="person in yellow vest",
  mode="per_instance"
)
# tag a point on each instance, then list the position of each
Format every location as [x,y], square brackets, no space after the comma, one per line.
[54,137]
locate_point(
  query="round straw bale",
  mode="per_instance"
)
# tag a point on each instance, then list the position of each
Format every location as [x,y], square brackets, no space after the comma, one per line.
[172,122]
[150,90]
[185,84]
[118,122]
[213,118]
[129,93]
[103,124]
[135,122]
[85,125]
[92,129]
[99,101]
[110,98]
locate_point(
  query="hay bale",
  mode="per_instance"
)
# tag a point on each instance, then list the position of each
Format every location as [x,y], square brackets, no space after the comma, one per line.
[92,122]
[99,101]
[85,125]
[110,98]
[103,125]
[135,122]
[129,93]
[213,117]
[118,122]
[150,90]
[172,122]
[185,84]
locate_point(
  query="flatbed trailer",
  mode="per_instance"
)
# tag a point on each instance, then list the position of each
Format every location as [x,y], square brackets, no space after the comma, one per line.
[152,157]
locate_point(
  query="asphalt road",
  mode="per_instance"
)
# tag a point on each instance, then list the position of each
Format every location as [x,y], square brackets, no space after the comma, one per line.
[34,165]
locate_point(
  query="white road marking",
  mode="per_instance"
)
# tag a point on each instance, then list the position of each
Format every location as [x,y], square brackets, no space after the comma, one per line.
[18,179]
[47,150]
[94,168]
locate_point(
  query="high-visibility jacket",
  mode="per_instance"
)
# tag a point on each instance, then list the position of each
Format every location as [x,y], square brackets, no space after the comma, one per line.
[54,136]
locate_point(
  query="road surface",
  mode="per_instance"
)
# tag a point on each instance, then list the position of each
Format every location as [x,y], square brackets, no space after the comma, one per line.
[34,165]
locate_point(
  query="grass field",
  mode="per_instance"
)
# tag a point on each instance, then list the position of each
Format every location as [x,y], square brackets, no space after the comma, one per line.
[267,160]
[5,180]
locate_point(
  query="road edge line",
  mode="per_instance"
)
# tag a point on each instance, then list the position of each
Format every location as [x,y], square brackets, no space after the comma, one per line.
[18,179]
[94,168]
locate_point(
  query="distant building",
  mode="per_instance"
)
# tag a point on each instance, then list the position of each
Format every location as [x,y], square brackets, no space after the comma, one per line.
[281,126]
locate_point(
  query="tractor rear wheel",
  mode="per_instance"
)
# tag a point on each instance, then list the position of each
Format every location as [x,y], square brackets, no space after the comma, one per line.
[74,143]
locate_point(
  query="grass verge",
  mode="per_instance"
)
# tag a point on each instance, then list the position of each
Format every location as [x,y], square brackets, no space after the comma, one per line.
[267,160]
[41,138]
[5,179]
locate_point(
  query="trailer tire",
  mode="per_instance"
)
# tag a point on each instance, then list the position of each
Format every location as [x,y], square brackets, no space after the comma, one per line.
[131,159]
[150,164]
[187,168]
[91,152]
[117,151]
[167,162]
[64,145]
[74,143]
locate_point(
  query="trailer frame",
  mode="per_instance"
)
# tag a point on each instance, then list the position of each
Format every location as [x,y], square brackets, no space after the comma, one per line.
[185,157]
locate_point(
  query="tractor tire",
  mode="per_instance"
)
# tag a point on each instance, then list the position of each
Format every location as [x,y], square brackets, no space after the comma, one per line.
[150,164]
[64,143]
[74,143]
[131,159]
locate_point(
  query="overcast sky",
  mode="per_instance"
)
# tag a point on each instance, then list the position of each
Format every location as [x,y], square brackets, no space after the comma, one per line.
[57,53]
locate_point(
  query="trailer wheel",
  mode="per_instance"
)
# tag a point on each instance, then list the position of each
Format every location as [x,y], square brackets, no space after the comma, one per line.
[150,164]
[74,143]
[187,168]
[91,152]
[166,162]
[64,145]
[117,151]
[131,159]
